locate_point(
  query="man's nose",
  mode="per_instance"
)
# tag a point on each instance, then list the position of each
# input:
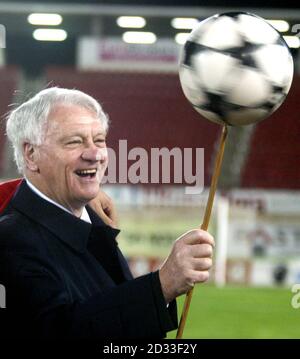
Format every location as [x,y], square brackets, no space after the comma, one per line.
[94,154]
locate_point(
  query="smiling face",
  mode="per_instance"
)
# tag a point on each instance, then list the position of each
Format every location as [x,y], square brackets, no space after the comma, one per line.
[70,163]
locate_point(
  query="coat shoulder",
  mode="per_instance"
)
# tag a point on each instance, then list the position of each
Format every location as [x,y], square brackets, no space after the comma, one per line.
[17,232]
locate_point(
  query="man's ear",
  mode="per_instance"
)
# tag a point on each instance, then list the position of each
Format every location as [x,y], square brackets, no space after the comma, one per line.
[30,156]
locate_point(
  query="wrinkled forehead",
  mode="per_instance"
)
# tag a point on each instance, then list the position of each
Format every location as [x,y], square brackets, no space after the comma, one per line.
[67,117]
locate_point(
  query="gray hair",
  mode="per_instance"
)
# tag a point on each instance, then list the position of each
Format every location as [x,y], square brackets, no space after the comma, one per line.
[27,122]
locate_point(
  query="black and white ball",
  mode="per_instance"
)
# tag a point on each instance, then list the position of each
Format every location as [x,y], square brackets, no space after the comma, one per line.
[235,68]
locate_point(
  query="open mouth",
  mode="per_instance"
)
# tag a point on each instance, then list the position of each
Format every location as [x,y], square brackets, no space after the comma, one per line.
[91,173]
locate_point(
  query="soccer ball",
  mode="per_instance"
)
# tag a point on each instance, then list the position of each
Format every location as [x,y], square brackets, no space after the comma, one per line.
[235,68]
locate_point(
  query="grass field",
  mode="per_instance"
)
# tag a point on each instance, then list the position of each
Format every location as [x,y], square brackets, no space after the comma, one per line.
[238,312]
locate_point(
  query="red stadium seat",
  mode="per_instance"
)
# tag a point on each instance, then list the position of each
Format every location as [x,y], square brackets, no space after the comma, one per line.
[274,155]
[7,190]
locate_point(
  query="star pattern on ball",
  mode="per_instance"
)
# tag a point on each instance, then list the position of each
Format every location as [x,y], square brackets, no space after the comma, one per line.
[217,103]
[244,53]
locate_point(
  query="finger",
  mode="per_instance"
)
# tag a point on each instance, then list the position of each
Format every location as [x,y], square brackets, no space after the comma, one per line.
[106,219]
[99,210]
[200,250]
[201,264]
[102,213]
[199,276]
[191,284]
[111,213]
[107,211]
[197,236]
[107,205]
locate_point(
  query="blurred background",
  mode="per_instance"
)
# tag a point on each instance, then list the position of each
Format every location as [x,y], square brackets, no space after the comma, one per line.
[125,54]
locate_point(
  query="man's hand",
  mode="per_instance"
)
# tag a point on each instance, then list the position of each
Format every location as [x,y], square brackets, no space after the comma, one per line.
[104,207]
[187,264]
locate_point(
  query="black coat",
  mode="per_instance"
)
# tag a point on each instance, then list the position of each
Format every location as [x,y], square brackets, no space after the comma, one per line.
[67,279]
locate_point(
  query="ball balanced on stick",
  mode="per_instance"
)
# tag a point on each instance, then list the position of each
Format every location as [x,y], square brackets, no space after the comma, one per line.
[235,70]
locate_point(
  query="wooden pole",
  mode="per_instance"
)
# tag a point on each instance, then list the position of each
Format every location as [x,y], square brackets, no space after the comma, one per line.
[204,226]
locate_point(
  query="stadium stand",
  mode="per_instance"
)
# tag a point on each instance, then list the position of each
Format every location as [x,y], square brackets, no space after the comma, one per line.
[9,83]
[274,153]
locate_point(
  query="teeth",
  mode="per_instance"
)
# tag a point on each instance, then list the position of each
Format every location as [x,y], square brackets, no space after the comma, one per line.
[87,172]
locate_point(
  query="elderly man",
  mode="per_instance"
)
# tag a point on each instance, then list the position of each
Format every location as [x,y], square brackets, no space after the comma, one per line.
[64,275]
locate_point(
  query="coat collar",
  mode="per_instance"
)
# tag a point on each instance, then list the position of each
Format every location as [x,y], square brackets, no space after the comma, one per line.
[67,227]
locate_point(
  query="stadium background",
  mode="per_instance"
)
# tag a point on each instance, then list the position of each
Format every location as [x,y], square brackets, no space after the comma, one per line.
[257,209]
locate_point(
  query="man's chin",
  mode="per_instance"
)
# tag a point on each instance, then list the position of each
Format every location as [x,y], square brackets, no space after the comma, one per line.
[88,195]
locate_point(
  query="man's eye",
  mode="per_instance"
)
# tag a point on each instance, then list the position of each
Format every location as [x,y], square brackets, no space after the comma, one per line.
[100,140]
[74,142]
